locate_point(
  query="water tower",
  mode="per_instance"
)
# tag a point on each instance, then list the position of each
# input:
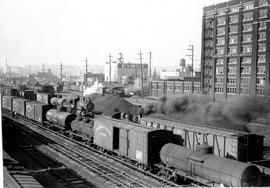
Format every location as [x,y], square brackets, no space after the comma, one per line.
[182,64]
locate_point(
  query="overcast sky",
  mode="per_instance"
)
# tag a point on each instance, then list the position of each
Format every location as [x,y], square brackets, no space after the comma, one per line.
[50,31]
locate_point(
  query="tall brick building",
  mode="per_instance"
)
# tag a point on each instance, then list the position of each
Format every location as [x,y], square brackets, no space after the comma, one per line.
[236,49]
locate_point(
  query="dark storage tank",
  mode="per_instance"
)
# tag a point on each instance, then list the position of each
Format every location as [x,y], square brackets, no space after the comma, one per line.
[62,119]
[220,170]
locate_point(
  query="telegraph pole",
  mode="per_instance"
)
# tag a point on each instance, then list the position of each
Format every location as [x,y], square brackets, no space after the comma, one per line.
[61,72]
[86,72]
[191,48]
[150,59]
[110,70]
[140,54]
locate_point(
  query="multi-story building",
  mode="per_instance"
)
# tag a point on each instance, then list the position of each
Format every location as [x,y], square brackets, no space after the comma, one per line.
[119,71]
[236,49]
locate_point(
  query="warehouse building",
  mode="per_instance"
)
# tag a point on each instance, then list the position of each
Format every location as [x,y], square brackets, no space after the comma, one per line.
[236,49]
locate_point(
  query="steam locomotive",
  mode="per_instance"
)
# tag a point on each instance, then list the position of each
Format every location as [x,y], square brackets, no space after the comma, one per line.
[149,147]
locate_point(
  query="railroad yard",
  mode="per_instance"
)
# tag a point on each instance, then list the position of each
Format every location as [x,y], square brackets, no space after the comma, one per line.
[66,140]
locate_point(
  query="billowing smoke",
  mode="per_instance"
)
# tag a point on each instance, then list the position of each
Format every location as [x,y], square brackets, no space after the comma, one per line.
[136,87]
[231,114]
[96,88]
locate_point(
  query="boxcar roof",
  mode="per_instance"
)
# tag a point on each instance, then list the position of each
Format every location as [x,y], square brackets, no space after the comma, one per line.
[20,99]
[194,127]
[38,103]
[127,124]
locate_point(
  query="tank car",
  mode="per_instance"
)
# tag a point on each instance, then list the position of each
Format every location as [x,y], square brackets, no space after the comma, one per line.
[62,119]
[202,164]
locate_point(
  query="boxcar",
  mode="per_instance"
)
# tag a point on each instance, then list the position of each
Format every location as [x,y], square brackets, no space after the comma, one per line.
[226,143]
[44,97]
[9,91]
[19,106]
[142,144]
[36,111]
[7,102]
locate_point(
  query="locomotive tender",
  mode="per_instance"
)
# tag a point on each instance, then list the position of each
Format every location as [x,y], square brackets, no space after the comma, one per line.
[148,146]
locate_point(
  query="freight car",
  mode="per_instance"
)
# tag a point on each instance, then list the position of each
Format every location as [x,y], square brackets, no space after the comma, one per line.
[226,143]
[203,166]
[138,143]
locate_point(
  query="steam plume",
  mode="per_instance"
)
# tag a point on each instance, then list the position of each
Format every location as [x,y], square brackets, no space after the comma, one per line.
[231,114]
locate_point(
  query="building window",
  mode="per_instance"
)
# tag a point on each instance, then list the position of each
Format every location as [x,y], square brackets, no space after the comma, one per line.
[234,19]
[247,38]
[221,31]
[219,70]
[221,11]
[234,8]
[219,80]
[209,13]
[263,13]
[261,47]
[233,50]
[262,3]
[248,16]
[231,80]
[233,29]
[177,88]
[247,27]
[245,69]
[220,41]
[247,49]
[262,36]
[262,25]
[186,88]
[221,21]
[232,70]
[233,40]
[231,90]
[245,80]
[261,69]
[219,90]
[259,91]
[219,61]
[232,61]
[260,80]
[261,59]
[244,91]
[248,6]
[245,60]
[220,51]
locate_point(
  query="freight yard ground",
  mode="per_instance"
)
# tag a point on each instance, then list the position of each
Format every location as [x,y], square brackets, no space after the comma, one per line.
[47,171]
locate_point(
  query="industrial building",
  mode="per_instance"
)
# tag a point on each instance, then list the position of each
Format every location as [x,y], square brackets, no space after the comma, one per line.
[123,72]
[236,49]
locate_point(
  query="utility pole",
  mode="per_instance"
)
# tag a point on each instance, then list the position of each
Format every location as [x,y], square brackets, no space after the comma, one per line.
[140,54]
[150,59]
[61,72]
[191,48]
[86,72]
[43,67]
[110,70]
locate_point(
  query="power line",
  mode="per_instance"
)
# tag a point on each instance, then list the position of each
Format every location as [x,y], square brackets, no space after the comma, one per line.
[110,70]
[192,64]
[140,54]
[86,71]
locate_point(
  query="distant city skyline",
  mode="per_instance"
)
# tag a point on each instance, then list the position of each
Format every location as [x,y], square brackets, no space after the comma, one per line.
[35,31]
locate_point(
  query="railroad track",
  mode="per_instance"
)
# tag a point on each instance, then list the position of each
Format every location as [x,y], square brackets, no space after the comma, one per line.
[27,144]
[109,174]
